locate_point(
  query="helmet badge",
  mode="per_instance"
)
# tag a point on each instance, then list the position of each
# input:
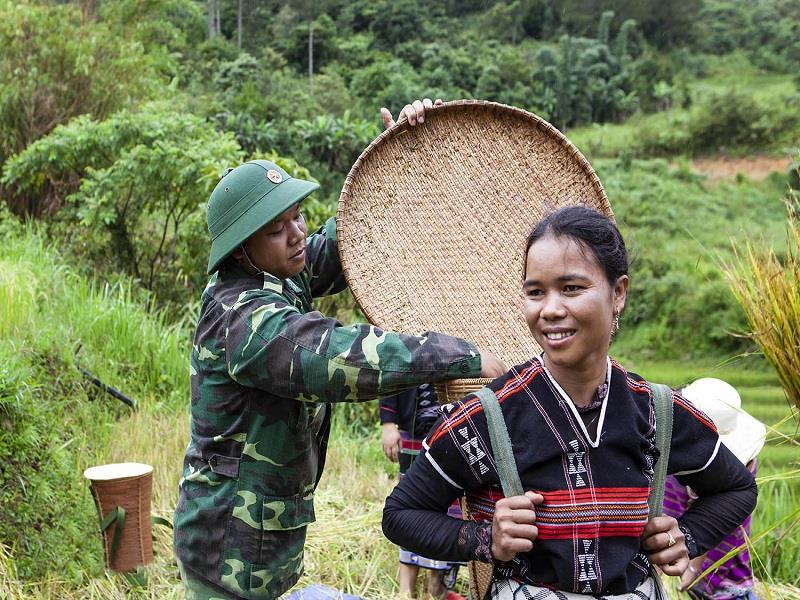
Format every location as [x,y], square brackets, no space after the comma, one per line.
[274,176]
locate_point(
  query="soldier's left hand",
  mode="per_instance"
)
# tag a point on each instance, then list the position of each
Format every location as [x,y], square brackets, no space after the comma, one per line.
[414,113]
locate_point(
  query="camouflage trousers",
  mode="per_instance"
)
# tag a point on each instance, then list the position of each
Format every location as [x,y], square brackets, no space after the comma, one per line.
[200,589]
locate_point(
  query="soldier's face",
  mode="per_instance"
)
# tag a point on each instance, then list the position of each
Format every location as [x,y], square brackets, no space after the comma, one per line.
[279,248]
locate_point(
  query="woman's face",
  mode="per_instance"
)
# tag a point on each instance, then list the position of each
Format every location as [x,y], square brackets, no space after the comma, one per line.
[569,304]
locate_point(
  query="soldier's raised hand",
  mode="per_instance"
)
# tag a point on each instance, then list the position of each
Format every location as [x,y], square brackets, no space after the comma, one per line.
[414,112]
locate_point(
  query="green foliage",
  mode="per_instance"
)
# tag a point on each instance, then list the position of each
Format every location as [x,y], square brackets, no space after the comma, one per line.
[396,21]
[52,422]
[132,182]
[726,121]
[767,286]
[55,66]
[335,142]
[585,81]
[43,511]
[295,46]
[769,31]
[676,227]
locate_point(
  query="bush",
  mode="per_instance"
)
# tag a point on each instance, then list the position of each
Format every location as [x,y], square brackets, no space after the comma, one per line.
[132,182]
[729,121]
[675,229]
[55,66]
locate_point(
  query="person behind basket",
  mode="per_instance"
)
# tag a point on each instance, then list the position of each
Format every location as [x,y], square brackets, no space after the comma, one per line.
[582,429]
[264,367]
[744,436]
[405,420]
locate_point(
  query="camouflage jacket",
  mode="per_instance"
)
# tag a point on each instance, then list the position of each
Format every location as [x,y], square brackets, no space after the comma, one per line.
[263,367]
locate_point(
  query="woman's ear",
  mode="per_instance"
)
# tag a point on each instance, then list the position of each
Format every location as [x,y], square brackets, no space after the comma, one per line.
[238,254]
[620,293]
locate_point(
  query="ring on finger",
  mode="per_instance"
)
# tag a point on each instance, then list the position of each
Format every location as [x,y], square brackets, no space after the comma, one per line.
[671,542]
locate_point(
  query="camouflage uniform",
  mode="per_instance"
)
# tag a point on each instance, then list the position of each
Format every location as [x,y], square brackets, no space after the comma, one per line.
[264,365]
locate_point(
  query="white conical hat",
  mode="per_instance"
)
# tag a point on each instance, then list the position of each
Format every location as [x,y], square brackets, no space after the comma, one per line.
[743,434]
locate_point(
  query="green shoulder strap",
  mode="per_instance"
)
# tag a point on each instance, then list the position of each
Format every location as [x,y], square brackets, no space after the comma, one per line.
[662,401]
[501,443]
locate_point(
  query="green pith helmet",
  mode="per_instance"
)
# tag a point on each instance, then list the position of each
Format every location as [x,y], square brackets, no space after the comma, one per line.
[245,199]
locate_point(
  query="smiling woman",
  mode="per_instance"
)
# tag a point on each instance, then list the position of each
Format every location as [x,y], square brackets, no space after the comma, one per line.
[582,430]
[575,285]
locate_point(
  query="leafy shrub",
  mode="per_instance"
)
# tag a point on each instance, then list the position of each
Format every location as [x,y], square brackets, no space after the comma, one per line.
[132,181]
[675,229]
[55,66]
[730,121]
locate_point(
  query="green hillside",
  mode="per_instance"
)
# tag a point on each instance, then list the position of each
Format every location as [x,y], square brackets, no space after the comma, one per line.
[118,116]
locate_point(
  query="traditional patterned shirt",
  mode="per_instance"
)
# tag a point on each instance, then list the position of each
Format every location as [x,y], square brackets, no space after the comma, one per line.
[263,367]
[413,411]
[595,487]
[733,578]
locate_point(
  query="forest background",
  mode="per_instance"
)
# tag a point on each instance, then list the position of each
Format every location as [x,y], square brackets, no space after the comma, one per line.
[118,116]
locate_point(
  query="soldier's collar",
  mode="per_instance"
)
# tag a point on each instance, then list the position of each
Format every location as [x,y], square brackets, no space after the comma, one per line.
[274,284]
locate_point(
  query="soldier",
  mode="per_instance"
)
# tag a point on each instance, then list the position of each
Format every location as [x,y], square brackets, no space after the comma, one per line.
[264,369]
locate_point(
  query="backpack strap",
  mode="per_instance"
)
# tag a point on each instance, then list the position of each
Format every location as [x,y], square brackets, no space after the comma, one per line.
[501,443]
[662,402]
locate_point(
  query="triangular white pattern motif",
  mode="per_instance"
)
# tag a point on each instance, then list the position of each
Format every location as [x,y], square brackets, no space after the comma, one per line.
[586,563]
[579,482]
[474,454]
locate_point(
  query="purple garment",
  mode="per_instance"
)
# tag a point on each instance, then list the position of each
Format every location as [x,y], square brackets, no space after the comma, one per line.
[733,578]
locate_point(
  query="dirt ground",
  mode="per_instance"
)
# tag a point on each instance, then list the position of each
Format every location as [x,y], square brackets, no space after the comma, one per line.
[726,167]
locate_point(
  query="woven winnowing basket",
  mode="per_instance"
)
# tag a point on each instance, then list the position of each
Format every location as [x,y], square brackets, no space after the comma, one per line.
[432,224]
[433,219]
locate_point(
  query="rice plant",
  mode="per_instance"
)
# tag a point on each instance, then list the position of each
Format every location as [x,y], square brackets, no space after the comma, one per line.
[767,286]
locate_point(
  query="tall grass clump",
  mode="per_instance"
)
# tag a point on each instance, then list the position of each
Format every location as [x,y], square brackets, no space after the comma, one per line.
[54,423]
[767,286]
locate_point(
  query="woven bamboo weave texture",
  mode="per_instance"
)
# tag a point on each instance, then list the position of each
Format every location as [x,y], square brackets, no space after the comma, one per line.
[433,219]
[134,494]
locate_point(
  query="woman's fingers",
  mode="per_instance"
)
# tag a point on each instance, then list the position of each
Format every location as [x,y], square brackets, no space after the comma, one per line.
[677,567]
[513,528]
[664,543]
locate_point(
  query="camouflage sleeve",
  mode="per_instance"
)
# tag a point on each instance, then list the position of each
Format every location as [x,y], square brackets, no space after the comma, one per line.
[270,345]
[322,261]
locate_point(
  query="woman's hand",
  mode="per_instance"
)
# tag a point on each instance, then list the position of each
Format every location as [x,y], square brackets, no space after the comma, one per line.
[664,545]
[491,366]
[390,439]
[692,571]
[414,112]
[513,528]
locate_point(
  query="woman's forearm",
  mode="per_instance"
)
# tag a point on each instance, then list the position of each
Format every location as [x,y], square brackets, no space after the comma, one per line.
[727,494]
[415,517]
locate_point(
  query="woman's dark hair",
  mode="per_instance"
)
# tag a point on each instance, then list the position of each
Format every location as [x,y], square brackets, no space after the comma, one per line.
[592,230]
